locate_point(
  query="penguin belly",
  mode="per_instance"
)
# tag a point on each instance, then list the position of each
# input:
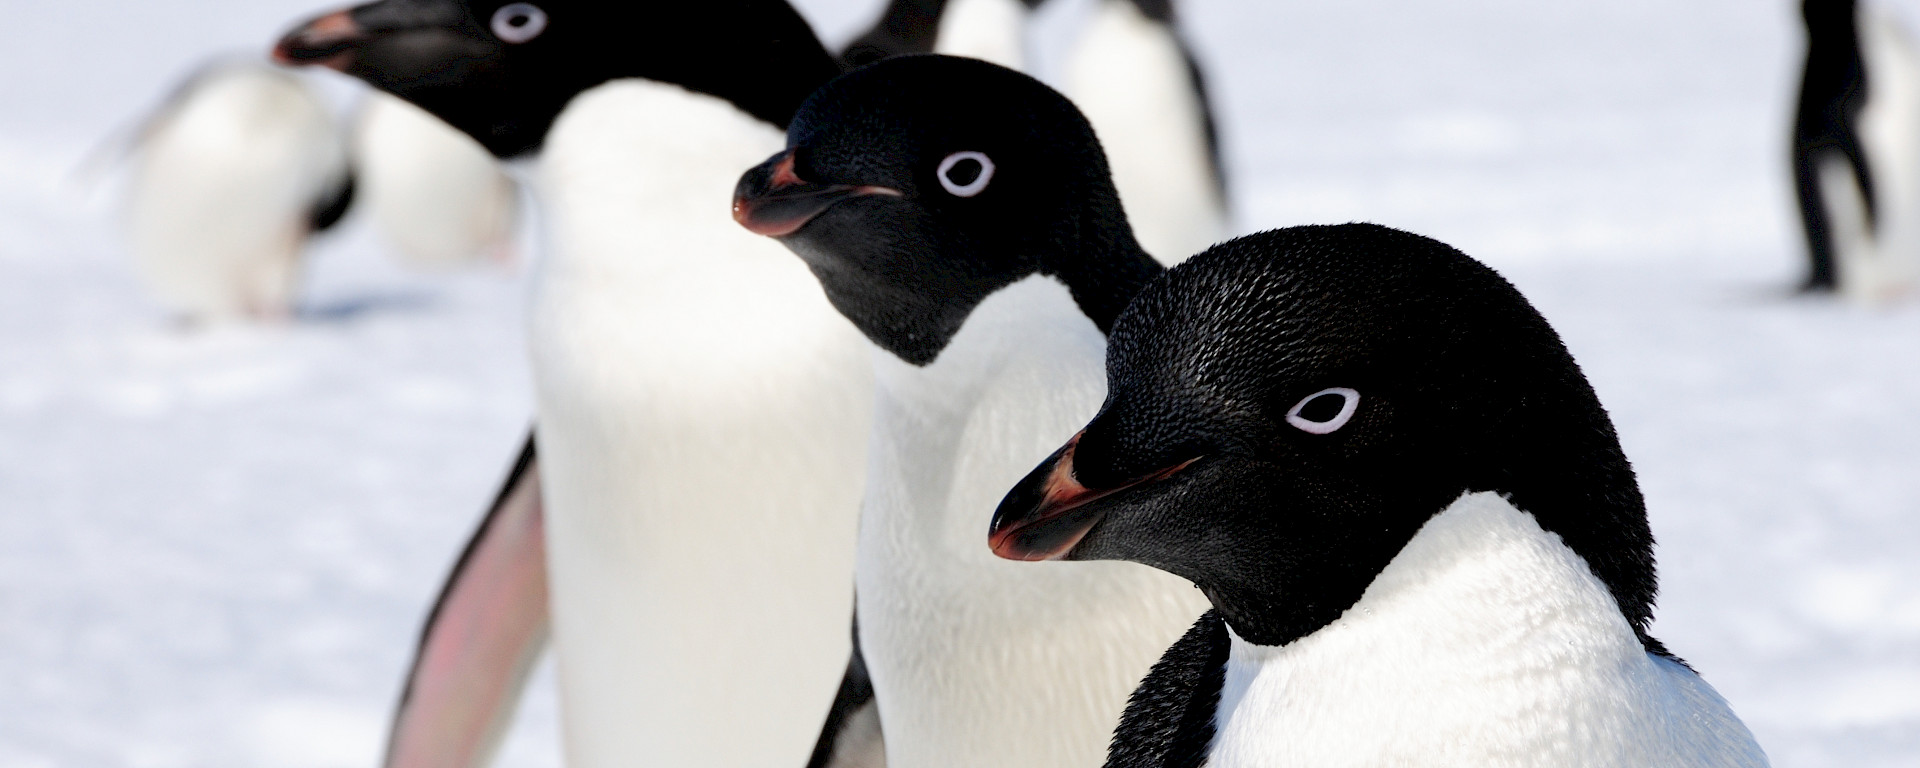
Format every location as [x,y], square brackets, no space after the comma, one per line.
[434,193]
[1881,262]
[1131,78]
[989,30]
[703,419]
[977,660]
[1485,642]
[224,189]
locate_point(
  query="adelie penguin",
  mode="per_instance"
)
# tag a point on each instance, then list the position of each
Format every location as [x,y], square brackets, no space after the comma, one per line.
[232,176]
[702,411]
[1856,158]
[1410,512]
[961,215]
[1133,75]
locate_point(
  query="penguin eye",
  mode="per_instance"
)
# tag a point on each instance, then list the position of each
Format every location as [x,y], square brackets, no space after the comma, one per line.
[519,22]
[1324,412]
[965,174]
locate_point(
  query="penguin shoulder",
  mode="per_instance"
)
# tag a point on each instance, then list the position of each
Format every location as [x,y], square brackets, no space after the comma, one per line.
[1484,639]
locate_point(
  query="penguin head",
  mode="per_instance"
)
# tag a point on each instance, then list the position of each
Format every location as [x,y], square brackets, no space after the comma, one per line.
[1286,410]
[502,71]
[916,187]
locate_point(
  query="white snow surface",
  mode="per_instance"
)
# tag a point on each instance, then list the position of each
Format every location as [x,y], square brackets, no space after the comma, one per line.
[216,548]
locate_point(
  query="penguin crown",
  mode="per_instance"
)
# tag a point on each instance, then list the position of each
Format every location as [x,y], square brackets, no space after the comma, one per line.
[917,186]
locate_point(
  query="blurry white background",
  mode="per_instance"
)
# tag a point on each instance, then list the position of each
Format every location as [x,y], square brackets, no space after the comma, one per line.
[215,549]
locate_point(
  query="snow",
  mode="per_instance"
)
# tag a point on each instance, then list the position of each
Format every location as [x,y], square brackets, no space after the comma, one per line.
[215,549]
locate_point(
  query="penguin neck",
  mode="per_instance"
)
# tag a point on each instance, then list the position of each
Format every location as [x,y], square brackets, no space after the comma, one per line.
[629,179]
[767,81]
[1102,265]
[1482,593]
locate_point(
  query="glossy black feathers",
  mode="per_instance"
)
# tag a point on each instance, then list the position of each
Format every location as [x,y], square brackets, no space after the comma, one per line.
[1463,387]
[442,55]
[908,269]
[1169,718]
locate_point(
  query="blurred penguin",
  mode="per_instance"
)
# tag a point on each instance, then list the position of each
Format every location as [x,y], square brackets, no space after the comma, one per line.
[436,196]
[232,175]
[990,30]
[1133,76]
[1855,160]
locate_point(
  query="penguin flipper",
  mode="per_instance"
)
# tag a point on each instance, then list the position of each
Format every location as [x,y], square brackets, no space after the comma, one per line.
[482,638]
[852,737]
[332,204]
[1169,718]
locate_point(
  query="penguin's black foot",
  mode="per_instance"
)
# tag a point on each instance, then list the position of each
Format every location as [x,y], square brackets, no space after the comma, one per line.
[1817,285]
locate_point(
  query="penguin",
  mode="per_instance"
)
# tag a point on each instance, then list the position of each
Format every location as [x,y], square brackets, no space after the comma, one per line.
[989,30]
[702,410]
[1856,163]
[1130,72]
[231,176]
[1421,540]
[1134,76]
[960,214]
[434,194]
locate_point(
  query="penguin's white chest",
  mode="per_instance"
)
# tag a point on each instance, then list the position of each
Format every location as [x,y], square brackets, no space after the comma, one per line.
[1486,642]
[977,660]
[703,422]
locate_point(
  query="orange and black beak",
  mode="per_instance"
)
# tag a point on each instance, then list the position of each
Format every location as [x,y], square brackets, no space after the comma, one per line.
[773,200]
[328,41]
[1049,512]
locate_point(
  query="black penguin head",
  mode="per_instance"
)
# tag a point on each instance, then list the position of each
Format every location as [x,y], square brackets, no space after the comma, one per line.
[502,71]
[1286,410]
[916,187]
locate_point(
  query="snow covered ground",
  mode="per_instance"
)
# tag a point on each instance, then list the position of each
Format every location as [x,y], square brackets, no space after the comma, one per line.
[215,549]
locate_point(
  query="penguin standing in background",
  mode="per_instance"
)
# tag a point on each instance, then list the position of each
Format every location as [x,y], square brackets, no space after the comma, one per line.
[1420,537]
[702,411]
[231,177]
[434,193]
[989,30]
[1856,152]
[961,215]
[1134,77]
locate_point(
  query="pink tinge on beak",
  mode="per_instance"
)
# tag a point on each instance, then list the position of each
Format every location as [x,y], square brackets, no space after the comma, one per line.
[327,41]
[1053,526]
[782,203]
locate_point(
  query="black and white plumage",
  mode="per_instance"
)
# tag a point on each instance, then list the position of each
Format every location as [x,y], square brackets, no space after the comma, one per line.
[1133,75]
[702,410]
[232,175]
[989,30]
[1421,539]
[961,215]
[1856,152]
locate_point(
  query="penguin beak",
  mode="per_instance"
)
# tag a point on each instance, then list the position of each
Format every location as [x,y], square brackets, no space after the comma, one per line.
[1049,512]
[773,200]
[328,41]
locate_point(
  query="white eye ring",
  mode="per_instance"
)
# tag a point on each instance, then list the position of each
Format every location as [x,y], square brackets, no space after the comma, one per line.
[519,22]
[969,189]
[1329,426]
